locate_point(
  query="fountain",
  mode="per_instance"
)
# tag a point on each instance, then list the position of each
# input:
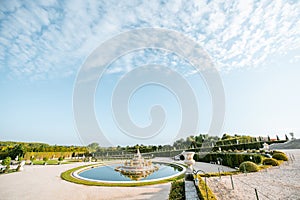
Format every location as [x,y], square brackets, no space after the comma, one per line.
[131,172]
[137,167]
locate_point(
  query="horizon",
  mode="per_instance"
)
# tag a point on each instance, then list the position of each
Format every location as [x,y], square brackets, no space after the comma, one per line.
[46,47]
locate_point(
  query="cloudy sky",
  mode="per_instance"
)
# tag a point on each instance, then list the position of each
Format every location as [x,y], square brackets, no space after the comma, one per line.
[255,46]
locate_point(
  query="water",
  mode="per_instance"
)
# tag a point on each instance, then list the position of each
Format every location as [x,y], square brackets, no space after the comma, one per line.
[108,173]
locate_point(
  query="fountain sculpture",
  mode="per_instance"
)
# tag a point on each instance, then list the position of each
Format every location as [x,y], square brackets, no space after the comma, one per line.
[137,167]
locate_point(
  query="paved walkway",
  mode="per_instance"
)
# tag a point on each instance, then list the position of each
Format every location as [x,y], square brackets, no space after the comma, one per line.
[44,182]
[190,191]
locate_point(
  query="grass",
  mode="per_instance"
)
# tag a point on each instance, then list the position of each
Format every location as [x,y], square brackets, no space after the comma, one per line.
[67,175]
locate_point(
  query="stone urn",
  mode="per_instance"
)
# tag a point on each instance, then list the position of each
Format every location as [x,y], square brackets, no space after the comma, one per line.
[189,160]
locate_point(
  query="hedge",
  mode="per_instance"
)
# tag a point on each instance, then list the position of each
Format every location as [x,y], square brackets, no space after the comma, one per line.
[280,156]
[50,155]
[270,161]
[229,159]
[177,191]
[231,145]
[248,166]
[241,146]
[3,155]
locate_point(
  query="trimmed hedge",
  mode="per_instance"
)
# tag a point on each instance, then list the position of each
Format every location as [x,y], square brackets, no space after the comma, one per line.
[270,161]
[280,156]
[50,155]
[177,191]
[241,146]
[229,159]
[248,166]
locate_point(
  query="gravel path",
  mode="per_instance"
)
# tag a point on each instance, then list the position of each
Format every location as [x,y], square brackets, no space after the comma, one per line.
[272,184]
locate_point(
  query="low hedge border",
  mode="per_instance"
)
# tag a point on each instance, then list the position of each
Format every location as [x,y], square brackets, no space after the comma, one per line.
[202,190]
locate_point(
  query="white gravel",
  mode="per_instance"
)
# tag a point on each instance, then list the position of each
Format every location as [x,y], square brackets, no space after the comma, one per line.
[274,183]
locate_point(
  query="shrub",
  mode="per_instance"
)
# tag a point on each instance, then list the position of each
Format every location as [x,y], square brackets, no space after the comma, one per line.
[177,191]
[276,151]
[181,157]
[280,156]
[60,158]
[270,161]
[6,162]
[45,159]
[248,166]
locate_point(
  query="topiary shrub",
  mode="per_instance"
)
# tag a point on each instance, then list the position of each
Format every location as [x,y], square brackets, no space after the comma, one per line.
[248,166]
[258,158]
[276,151]
[280,156]
[60,159]
[45,159]
[270,161]
[181,157]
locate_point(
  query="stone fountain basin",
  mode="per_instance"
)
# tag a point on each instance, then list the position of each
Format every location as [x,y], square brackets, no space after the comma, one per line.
[77,174]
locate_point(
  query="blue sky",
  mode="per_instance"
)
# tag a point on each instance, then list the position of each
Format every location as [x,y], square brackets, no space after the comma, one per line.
[255,45]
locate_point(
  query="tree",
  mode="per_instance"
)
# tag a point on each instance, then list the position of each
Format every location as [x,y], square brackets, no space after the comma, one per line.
[292,135]
[269,139]
[18,150]
[225,136]
[154,148]
[286,137]
[277,137]
[93,147]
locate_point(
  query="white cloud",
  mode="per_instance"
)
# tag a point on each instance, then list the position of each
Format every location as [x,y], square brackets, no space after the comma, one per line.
[39,38]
